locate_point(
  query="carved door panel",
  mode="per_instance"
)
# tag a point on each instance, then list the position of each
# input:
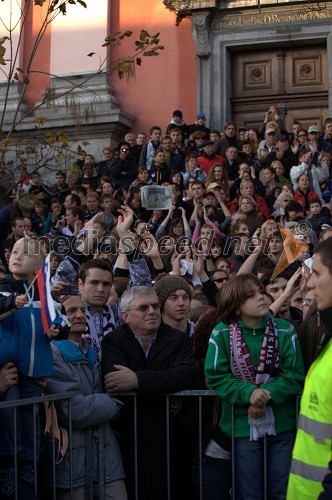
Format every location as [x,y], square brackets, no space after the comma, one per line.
[294,80]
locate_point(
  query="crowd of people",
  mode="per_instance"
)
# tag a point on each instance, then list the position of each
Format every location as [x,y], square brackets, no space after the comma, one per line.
[160,301]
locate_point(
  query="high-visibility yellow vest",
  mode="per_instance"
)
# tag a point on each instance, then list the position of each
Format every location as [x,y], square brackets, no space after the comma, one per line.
[312,451]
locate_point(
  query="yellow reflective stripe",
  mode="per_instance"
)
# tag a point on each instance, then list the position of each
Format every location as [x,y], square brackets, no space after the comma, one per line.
[319,430]
[307,471]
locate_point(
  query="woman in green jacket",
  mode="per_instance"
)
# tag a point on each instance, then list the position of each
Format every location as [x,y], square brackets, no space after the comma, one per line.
[254,363]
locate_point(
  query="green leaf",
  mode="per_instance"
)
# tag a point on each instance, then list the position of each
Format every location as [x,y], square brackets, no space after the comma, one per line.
[143,34]
[41,120]
[139,45]
[150,53]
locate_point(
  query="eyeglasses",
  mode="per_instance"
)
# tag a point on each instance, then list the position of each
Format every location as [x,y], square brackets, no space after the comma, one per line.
[145,307]
[313,133]
[220,280]
[271,133]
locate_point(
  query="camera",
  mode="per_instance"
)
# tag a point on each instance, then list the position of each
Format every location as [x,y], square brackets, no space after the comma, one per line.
[70,290]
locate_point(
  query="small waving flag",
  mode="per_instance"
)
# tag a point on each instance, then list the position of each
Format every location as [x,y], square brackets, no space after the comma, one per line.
[44,289]
[293,247]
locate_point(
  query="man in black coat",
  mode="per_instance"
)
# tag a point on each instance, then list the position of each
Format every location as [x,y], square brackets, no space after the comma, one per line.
[152,359]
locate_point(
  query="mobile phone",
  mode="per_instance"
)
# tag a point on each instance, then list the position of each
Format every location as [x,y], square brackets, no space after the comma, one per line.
[70,290]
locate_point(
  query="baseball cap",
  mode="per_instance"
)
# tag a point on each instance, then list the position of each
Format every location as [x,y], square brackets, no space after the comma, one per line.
[313,128]
[213,185]
[282,137]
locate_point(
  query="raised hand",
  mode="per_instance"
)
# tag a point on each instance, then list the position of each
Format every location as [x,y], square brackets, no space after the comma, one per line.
[125,220]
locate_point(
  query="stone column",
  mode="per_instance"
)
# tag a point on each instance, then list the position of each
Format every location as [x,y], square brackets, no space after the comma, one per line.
[201,37]
[329,70]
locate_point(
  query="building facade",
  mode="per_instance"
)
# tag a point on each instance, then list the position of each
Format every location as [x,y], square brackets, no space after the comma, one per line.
[252,56]
[230,60]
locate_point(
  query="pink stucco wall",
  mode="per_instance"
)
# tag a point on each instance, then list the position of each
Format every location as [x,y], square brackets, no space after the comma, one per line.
[162,83]
[40,67]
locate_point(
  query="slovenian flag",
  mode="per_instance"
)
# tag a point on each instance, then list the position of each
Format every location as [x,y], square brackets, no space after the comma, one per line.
[44,289]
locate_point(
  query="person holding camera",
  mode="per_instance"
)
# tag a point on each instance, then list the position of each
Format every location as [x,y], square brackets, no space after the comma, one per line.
[123,169]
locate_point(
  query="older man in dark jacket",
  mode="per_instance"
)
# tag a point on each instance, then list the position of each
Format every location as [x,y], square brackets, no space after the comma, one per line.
[150,358]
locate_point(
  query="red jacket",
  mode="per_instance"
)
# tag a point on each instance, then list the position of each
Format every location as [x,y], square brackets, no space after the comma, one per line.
[299,196]
[261,205]
[207,162]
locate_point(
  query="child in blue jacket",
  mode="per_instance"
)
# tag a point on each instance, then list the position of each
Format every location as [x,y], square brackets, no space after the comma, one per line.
[22,342]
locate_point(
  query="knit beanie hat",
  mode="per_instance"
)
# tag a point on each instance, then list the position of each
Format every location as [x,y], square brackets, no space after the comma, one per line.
[169,284]
[178,113]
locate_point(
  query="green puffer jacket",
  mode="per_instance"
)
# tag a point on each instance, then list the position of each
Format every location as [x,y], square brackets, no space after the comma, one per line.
[235,391]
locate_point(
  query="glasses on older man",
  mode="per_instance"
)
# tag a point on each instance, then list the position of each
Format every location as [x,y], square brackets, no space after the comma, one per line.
[145,307]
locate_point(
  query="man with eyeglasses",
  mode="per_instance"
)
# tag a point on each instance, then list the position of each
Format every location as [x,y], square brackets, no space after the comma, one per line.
[148,357]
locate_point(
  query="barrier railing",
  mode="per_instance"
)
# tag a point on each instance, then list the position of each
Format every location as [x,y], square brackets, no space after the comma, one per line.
[96,433]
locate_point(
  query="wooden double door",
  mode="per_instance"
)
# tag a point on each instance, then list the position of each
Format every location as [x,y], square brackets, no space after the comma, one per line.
[292,79]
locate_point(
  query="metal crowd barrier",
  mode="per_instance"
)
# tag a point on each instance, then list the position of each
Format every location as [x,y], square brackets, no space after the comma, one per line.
[35,405]
[98,433]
